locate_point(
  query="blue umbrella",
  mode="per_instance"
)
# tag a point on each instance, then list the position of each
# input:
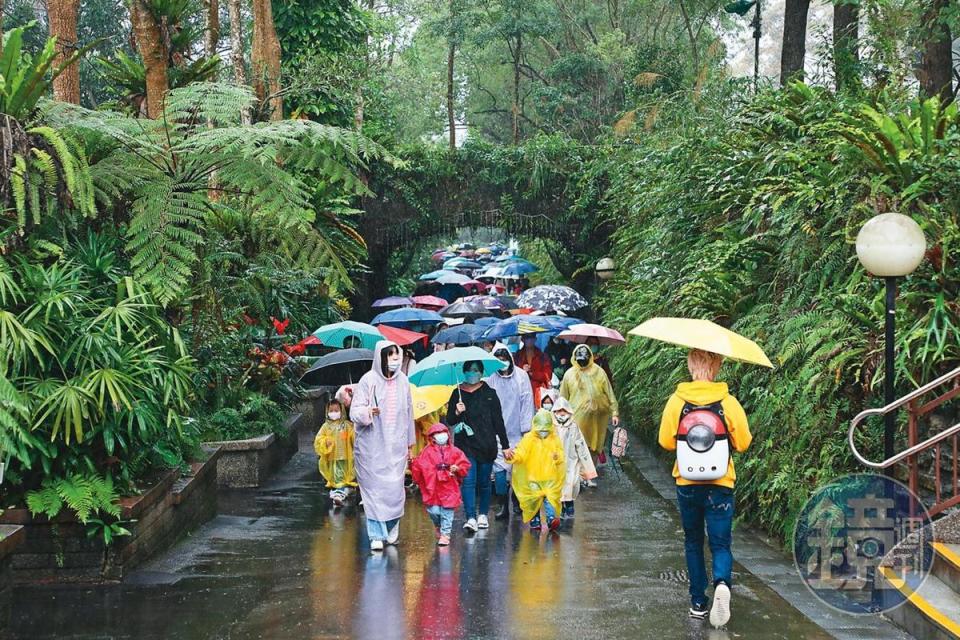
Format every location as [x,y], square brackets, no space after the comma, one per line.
[513,327]
[433,275]
[514,269]
[402,317]
[446,367]
[464,334]
[335,335]
[486,322]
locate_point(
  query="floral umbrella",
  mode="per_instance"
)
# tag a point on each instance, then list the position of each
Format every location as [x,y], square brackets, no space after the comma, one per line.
[551,298]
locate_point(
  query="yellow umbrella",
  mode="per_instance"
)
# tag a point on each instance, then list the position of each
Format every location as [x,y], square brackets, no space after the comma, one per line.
[483,251]
[429,399]
[703,335]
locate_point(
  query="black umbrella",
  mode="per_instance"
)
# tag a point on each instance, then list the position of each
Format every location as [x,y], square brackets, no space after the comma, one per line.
[345,366]
[465,310]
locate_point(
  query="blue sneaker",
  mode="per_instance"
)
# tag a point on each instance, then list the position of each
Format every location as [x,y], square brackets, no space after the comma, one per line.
[535,522]
[566,510]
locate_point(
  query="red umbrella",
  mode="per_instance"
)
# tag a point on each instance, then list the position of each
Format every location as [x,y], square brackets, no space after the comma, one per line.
[429,302]
[474,286]
[402,337]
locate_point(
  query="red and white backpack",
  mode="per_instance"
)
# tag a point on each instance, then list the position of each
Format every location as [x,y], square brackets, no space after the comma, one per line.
[703,443]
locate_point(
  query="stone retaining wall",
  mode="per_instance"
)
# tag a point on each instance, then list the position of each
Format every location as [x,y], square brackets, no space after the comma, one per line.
[11,537]
[60,551]
[249,463]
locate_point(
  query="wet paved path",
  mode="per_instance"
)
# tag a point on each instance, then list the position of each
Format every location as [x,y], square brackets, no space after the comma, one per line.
[278,563]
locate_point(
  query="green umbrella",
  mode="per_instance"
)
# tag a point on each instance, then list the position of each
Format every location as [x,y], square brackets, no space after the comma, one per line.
[342,335]
[446,367]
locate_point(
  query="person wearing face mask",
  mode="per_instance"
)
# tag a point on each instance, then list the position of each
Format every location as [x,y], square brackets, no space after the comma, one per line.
[590,393]
[536,364]
[516,401]
[438,471]
[538,471]
[334,448]
[476,419]
[382,411]
[580,465]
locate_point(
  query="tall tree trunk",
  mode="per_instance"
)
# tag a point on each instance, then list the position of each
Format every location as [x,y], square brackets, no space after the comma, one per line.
[62,15]
[153,50]
[212,34]
[451,110]
[794,40]
[265,58]
[516,90]
[846,46]
[236,50]
[936,63]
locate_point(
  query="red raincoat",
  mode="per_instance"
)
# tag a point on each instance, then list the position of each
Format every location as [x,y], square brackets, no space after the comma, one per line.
[438,486]
[540,370]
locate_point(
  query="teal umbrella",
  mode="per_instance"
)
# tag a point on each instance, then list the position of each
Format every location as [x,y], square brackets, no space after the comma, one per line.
[343,335]
[446,367]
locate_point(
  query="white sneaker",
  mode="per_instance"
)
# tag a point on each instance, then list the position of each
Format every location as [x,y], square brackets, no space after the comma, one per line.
[592,484]
[376,545]
[393,536]
[470,525]
[720,611]
[482,522]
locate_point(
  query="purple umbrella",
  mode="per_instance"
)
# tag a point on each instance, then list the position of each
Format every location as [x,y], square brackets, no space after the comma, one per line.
[392,301]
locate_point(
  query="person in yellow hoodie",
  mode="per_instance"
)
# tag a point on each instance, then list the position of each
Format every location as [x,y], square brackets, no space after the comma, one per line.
[539,468]
[707,502]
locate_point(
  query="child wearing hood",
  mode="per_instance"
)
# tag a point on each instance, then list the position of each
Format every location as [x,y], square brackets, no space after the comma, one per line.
[334,448]
[579,462]
[539,467]
[438,471]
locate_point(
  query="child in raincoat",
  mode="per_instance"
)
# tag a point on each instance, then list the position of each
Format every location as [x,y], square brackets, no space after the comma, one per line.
[579,462]
[539,467]
[334,448]
[438,471]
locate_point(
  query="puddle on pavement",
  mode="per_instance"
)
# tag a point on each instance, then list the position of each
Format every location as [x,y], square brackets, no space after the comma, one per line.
[279,562]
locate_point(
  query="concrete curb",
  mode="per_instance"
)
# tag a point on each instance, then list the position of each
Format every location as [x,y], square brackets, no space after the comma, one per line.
[757,555]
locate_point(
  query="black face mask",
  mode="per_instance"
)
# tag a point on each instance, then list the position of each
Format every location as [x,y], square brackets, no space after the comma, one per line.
[583,361]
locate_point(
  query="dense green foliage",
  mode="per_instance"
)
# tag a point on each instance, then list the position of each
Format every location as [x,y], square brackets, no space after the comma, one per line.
[750,222]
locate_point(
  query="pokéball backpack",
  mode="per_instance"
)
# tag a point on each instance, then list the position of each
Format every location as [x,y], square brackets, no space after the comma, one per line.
[703,443]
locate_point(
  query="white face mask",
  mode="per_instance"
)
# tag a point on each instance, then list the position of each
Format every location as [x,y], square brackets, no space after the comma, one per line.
[543,434]
[563,418]
[394,362]
[547,405]
[334,415]
[441,438]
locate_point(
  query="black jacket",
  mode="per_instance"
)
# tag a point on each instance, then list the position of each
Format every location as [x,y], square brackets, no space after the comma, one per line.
[485,417]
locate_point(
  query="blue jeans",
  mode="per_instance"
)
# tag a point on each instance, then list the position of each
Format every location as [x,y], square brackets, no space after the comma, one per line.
[501,482]
[713,505]
[442,517]
[476,481]
[378,529]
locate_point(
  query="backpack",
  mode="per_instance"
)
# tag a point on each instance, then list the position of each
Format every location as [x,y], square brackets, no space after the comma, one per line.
[703,442]
[619,443]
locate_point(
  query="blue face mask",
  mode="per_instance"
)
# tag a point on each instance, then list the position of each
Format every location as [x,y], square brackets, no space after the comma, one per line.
[472,377]
[441,438]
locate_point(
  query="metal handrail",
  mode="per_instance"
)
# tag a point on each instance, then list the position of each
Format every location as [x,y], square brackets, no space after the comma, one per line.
[863,415]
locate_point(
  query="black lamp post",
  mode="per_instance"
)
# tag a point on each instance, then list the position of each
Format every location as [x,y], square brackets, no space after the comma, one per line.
[890,245]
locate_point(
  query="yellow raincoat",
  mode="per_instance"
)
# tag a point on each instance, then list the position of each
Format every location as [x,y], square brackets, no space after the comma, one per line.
[334,448]
[538,467]
[589,390]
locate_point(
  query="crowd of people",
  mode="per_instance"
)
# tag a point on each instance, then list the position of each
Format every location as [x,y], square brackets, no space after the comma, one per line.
[510,441]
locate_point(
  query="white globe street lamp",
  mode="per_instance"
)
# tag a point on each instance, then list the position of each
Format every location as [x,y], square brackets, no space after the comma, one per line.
[605,268]
[890,245]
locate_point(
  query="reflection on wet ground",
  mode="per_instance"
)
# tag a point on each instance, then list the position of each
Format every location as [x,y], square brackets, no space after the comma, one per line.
[278,562]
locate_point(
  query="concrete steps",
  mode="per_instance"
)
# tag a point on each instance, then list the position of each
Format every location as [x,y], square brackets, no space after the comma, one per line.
[932,609]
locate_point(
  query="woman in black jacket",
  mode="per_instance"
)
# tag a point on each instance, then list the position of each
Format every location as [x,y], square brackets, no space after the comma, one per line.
[476,420]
